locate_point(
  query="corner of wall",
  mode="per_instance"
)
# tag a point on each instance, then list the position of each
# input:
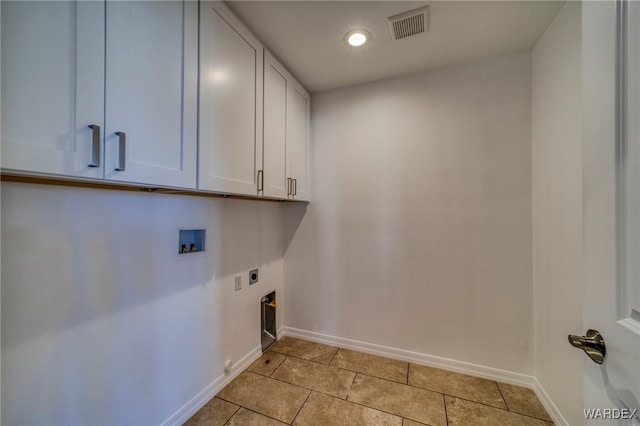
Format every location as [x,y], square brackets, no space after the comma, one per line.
[557,211]
[190,408]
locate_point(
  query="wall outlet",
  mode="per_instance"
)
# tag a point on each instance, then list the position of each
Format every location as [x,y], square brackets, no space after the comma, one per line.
[238,282]
[253,276]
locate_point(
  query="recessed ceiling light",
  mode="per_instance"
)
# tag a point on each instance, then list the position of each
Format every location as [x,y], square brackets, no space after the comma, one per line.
[357,38]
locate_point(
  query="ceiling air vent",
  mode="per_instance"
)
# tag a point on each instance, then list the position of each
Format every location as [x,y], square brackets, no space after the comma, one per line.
[409,23]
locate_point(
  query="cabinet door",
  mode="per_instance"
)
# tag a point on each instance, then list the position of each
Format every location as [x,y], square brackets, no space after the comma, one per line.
[299,141]
[230,150]
[276,80]
[52,86]
[151,92]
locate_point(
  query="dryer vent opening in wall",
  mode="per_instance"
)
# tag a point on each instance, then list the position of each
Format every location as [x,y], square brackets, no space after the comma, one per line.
[268,320]
[409,24]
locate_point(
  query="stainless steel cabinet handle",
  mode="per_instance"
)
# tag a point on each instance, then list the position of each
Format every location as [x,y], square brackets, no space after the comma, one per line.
[289,186]
[122,148]
[95,136]
[260,180]
[295,187]
[592,344]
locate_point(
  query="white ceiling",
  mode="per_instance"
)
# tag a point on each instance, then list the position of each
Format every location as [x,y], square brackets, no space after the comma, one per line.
[307,36]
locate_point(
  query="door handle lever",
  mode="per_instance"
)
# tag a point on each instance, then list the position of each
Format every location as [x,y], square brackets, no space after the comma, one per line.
[592,344]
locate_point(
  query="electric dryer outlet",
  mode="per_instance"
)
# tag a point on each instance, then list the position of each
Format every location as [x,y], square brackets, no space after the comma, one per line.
[253,276]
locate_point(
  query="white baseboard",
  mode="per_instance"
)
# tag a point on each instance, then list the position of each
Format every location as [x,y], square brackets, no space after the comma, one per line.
[503,376]
[197,402]
[552,409]
[491,373]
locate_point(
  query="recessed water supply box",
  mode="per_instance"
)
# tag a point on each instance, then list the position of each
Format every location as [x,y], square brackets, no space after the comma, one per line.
[191,241]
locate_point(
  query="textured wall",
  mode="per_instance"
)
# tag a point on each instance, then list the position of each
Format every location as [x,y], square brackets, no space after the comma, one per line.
[102,322]
[557,209]
[419,233]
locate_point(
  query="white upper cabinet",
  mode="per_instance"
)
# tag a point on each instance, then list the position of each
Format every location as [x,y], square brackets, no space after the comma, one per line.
[276,81]
[230,150]
[55,118]
[298,142]
[52,87]
[112,90]
[151,92]
[286,134]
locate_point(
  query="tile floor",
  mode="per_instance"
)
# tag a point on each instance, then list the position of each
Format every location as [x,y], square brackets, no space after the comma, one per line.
[297,382]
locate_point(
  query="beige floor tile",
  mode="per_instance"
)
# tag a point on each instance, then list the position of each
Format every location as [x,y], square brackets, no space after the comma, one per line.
[402,400]
[215,413]
[524,401]
[371,365]
[245,417]
[466,413]
[456,384]
[266,396]
[267,363]
[315,376]
[407,422]
[323,410]
[304,349]
[299,389]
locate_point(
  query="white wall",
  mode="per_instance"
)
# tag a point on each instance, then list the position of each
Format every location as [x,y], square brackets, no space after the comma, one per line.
[419,233]
[557,210]
[102,323]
